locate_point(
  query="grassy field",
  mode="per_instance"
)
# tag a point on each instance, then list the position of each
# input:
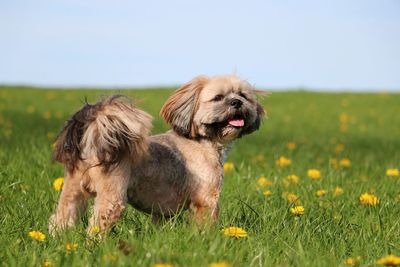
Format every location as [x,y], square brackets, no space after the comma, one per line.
[352,139]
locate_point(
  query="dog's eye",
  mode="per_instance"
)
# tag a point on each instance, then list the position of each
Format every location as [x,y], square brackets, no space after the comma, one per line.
[243,95]
[217,98]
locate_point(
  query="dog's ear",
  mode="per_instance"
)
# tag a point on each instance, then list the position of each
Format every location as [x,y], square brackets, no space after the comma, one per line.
[260,114]
[181,106]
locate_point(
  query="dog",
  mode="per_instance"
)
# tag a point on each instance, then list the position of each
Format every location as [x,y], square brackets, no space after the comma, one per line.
[108,153]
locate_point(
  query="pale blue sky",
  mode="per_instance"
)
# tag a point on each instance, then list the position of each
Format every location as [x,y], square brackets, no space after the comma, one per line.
[343,44]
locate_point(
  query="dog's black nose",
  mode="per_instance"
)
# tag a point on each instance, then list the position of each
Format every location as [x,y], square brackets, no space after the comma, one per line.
[236,103]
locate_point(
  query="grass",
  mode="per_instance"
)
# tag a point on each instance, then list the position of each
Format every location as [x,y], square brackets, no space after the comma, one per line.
[366,127]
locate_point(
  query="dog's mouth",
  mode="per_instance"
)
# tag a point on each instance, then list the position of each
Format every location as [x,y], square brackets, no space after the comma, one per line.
[236,121]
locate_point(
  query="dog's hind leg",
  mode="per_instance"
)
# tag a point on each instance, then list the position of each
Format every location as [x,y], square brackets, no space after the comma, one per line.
[72,203]
[111,197]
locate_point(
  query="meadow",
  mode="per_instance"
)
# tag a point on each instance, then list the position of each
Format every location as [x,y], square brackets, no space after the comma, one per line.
[316,186]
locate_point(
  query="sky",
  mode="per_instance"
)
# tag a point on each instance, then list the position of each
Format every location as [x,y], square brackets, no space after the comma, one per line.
[321,45]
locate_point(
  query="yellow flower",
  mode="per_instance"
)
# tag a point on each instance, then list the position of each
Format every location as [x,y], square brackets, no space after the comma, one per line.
[339,148]
[267,193]
[283,161]
[58,183]
[397,198]
[334,163]
[369,199]
[297,210]
[37,235]
[392,172]
[260,157]
[228,166]
[234,231]
[264,181]
[389,260]
[352,261]
[291,198]
[219,264]
[285,183]
[344,118]
[46,115]
[314,174]
[293,178]
[95,230]
[320,193]
[344,162]
[59,114]
[50,136]
[50,95]
[291,145]
[71,246]
[46,263]
[109,257]
[30,109]
[344,128]
[163,265]
[337,191]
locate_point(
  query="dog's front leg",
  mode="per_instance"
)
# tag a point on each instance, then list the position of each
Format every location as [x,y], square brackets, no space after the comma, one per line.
[204,207]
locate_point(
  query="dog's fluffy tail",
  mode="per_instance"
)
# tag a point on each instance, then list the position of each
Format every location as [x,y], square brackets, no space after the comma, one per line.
[107,131]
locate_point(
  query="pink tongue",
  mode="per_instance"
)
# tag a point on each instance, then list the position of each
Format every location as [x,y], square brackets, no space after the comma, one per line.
[236,123]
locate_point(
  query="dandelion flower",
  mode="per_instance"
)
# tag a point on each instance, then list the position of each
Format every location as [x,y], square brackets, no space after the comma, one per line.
[291,145]
[283,161]
[260,157]
[46,263]
[293,179]
[320,193]
[344,118]
[228,166]
[58,183]
[95,230]
[389,260]
[59,114]
[267,193]
[344,128]
[334,163]
[392,172]
[71,246]
[39,236]
[369,199]
[219,264]
[50,135]
[345,162]
[352,261]
[339,148]
[297,210]
[234,231]
[337,191]
[291,198]
[264,181]
[46,115]
[163,265]
[314,174]
[109,257]
[30,109]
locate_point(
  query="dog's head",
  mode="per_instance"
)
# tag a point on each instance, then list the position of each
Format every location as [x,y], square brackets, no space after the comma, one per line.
[220,108]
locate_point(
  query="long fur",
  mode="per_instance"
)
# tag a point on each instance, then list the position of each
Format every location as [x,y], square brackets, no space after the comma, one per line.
[178,111]
[108,153]
[108,131]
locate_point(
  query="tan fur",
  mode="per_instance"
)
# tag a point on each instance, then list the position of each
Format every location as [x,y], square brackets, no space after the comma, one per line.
[107,154]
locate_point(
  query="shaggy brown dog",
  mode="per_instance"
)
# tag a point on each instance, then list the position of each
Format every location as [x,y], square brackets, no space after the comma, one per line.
[108,153]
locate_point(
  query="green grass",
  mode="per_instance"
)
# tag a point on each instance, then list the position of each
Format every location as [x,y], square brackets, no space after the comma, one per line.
[332,228]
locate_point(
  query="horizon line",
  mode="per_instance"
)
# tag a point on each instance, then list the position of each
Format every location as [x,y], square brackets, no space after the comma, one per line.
[172,86]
